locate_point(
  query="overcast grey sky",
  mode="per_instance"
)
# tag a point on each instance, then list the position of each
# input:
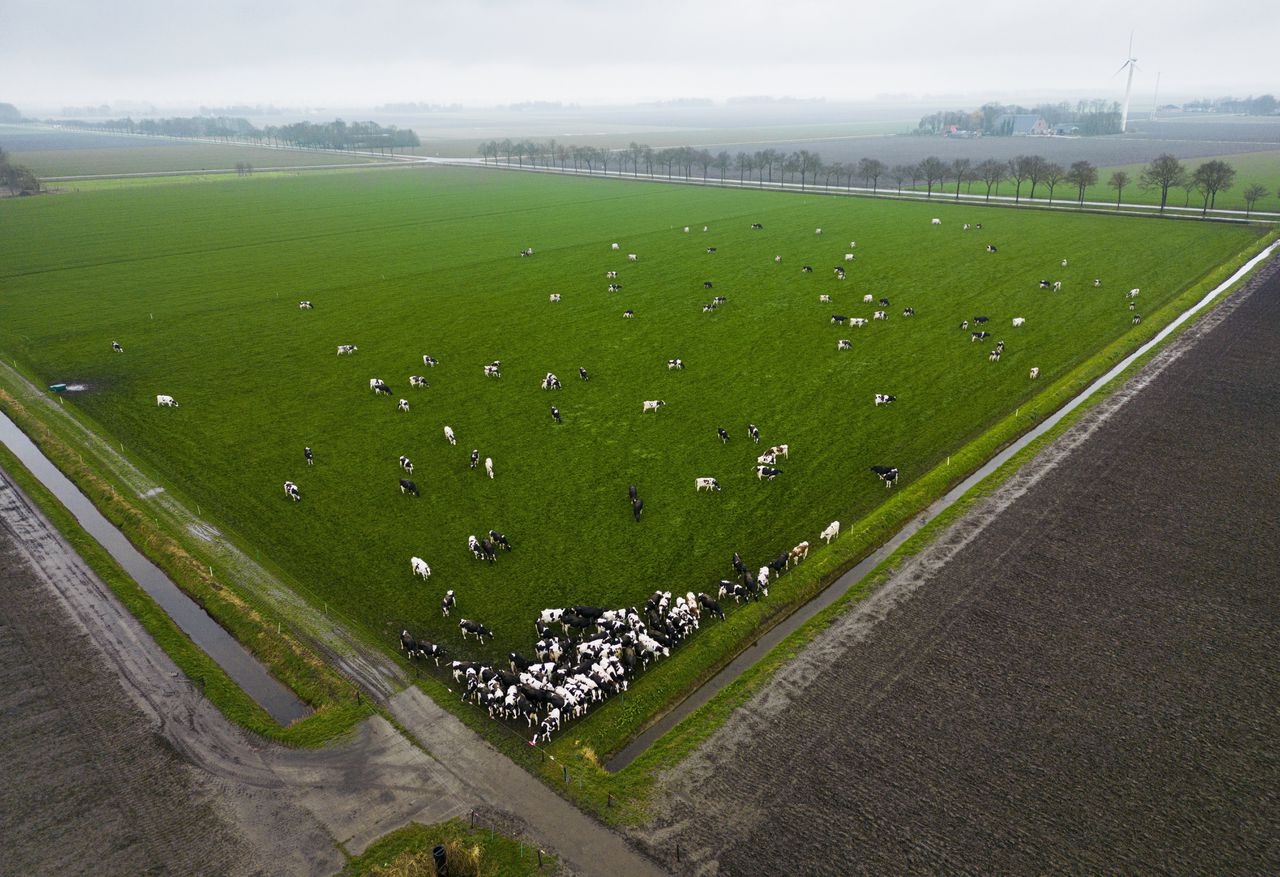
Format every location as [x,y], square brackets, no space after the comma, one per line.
[329,53]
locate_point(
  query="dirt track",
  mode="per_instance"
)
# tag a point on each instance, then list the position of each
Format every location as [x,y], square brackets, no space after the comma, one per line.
[1080,675]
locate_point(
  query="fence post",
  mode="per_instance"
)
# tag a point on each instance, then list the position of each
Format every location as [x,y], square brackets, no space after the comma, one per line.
[565,768]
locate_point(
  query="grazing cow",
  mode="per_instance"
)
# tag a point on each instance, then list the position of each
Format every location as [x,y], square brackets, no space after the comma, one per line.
[807,269]
[711,249]
[848,257]
[879,315]
[732,589]
[632,257]
[1097,281]
[686,229]
[475,457]
[724,436]
[403,406]
[762,579]
[611,275]
[305,305]
[291,491]
[824,298]
[1064,263]
[406,464]
[844,344]
[420,568]
[858,322]
[777,258]
[719,299]
[993,356]
[706,284]
[935,221]
[429,360]
[164,401]
[628,314]
[500,539]
[447,603]
[982,320]
[884,302]
[675,363]
[753,432]
[488,467]
[492,371]
[964,325]
[1035,372]
[115,345]
[637,506]
[839,275]
[991,249]
[888,474]
[551,382]
[418,381]
[965,227]
[799,553]
[474,627]
[1057,286]
[908,312]
[407,486]
[1000,346]
[706,309]
[767,473]
[615,287]
[831,532]
[756,225]
[632,493]
[768,458]
[490,553]
[652,405]
[614,247]
[582,373]
[710,605]
[449,436]
[779,564]
[1137,318]
[708,483]
[738,566]
[817,231]
[885,399]
[1133,293]
[979,225]
[780,451]
[473,545]
[1019,321]
[1133,305]
[978,336]
[555,414]
[555,296]
[382,389]
[838,318]
[311,458]
[1045,284]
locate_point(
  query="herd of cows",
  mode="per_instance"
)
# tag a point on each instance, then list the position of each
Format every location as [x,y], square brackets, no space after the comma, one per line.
[596,651]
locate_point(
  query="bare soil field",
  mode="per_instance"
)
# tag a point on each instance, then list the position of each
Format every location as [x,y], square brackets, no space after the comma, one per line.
[1079,675]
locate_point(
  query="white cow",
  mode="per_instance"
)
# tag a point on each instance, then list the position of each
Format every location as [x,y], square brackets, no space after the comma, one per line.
[762,578]
[166,401]
[652,405]
[823,298]
[868,299]
[419,567]
[708,483]
[935,221]
[1035,373]
[686,229]
[844,344]
[488,466]
[853,244]
[832,531]
[403,406]
[1057,286]
[848,257]
[777,258]
[1018,321]
[879,315]
[817,231]
[632,257]
[305,305]
[1133,293]
[555,296]
[491,371]
[344,349]
[448,434]
[1064,263]
[614,247]
[858,322]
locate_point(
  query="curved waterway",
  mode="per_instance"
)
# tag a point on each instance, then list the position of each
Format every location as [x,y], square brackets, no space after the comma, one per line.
[833,591]
[242,667]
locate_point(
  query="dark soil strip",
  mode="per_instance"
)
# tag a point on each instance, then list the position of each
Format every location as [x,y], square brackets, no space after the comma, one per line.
[1087,684]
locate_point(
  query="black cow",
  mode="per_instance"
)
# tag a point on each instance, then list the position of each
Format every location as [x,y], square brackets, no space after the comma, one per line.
[475,457]
[407,486]
[311,458]
[519,661]
[807,269]
[499,539]
[738,566]
[706,284]
[982,319]
[838,318]
[724,436]
[637,506]
[884,302]
[474,627]
[711,249]
[779,564]
[632,493]
[490,553]
[592,612]
[711,605]
[756,225]
[555,414]
[582,373]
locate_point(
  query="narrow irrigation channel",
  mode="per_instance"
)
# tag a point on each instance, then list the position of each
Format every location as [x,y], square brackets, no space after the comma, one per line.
[243,668]
[832,592]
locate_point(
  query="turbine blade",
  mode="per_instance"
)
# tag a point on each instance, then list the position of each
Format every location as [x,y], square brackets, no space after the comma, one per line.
[1121,70]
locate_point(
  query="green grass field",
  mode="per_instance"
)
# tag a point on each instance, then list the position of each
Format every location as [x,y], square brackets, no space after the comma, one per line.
[200,285]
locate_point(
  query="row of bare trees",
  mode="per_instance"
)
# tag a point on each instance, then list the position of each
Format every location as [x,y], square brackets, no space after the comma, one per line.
[932,175]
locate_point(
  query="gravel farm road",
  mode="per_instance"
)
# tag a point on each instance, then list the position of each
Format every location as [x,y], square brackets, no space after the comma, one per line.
[1077,676]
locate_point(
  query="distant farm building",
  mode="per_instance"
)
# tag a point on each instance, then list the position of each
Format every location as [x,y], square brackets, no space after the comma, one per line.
[1022,125]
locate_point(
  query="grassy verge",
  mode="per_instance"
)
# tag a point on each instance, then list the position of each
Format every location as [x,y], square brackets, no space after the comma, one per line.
[331,696]
[470,852]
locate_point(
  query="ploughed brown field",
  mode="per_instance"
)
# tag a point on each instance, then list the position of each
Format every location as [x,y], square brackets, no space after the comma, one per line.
[1088,685]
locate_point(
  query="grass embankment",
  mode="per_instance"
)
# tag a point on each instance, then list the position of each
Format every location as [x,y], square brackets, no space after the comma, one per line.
[408,264]
[332,698]
[470,852]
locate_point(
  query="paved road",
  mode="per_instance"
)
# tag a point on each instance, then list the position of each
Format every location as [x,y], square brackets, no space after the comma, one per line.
[1080,675]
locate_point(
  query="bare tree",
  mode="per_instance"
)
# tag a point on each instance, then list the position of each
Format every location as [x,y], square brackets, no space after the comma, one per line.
[1251,195]
[1211,178]
[1036,167]
[1163,173]
[934,170]
[746,164]
[1054,174]
[1018,168]
[991,172]
[871,170]
[900,174]
[722,162]
[1118,181]
[962,170]
[1084,175]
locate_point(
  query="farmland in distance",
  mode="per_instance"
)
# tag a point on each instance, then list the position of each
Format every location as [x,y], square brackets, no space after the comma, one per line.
[201,285]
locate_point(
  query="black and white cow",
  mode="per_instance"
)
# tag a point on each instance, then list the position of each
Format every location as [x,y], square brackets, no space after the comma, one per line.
[582,373]
[980,320]
[885,399]
[978,336]
[115,345]
[991,249]
[555,414]
[475,457]
[490,553]
[447,603]
[406,464]
[908,312]
[724,436]
[712,607]
[706,284]
[838,318]
[429,360]
[499,539]
[407,486]
[756,225]
[551,382]
[474,628]
[708,484]
[615,287]
[1045,284]
[767,473]
[711,249]
[403,405]
[637,506]
[632,493]
[291,491]
[675,363]
[347,349]
[807,269]
[305,305]
[753,432]
[884,302]
[418,381]
[473,545]
[888,474]
[310,457]
[492,371]
[844,344]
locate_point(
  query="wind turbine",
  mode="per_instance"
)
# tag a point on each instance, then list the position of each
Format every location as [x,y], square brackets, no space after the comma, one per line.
[1132,63]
